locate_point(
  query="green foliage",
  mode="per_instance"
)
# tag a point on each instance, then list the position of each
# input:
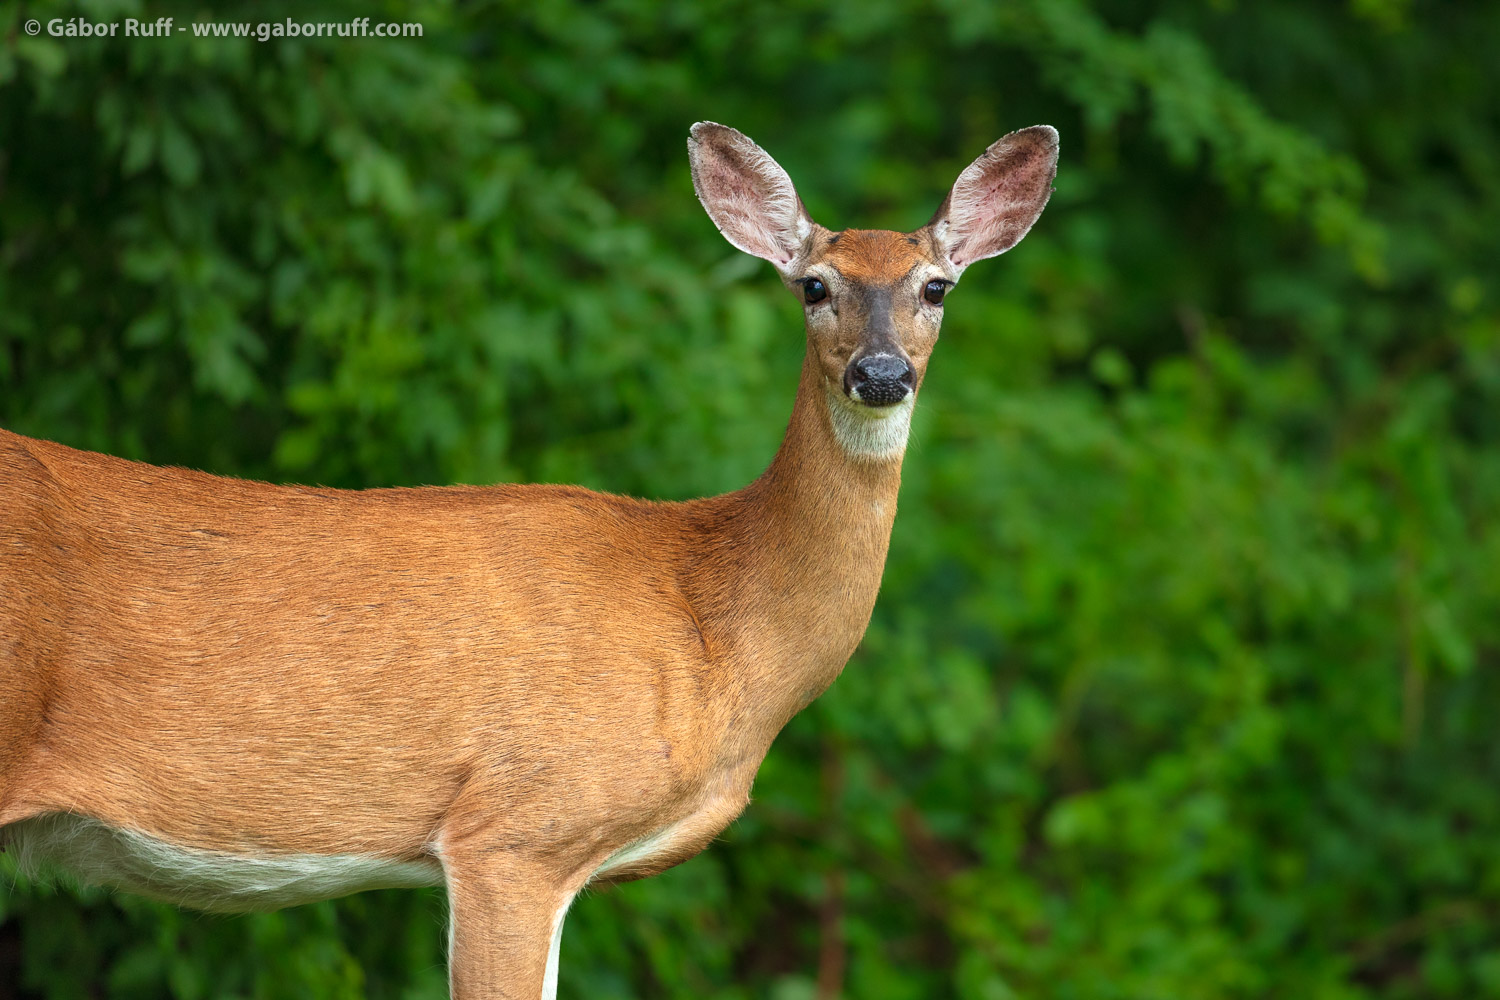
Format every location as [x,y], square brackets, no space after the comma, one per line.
[1183,682]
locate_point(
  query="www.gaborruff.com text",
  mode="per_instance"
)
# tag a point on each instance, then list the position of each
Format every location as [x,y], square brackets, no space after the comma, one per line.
[264,31]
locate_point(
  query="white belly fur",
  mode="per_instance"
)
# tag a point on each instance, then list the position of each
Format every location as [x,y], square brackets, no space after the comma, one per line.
[640,850]
[94,853]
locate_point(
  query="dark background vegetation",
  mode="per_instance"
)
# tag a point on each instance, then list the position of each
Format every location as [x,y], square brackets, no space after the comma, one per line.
[1183,681]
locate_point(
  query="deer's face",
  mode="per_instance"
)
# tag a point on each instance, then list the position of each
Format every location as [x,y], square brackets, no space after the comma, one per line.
[873,299]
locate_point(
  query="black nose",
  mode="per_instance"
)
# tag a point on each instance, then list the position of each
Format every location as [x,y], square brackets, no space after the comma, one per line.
[879,379]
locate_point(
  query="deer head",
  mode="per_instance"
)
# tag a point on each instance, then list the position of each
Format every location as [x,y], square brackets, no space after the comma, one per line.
[872,298]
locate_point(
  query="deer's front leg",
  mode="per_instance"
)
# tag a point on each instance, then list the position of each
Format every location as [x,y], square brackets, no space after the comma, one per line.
[506,928]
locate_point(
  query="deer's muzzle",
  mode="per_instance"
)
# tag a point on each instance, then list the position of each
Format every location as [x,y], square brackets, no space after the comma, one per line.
[879,379]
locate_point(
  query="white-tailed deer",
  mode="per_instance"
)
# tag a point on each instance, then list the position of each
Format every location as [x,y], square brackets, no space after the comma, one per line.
[237,696]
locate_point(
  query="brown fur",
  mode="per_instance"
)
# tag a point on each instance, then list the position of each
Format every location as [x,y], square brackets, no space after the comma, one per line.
[877,256]
[248,644]
[519,680]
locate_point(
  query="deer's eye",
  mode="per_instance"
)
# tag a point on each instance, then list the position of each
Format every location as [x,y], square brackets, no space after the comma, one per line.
[813,290]
[935,291]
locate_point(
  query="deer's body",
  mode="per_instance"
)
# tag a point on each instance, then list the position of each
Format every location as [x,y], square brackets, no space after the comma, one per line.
[236,695]
[328,672]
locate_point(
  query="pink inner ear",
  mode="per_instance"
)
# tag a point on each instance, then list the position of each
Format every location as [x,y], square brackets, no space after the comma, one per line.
[739,199]
[1000,195]
[746,194]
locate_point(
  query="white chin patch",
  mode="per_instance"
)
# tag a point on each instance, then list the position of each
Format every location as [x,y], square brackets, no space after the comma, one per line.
[870,431]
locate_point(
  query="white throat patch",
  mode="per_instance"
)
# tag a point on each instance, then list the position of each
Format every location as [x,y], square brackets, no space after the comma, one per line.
[868,431]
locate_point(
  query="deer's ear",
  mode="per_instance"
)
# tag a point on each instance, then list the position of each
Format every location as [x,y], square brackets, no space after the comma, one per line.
[747,194]
[998,196]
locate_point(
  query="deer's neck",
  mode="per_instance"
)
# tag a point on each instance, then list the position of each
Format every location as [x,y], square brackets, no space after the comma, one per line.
[799,556]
